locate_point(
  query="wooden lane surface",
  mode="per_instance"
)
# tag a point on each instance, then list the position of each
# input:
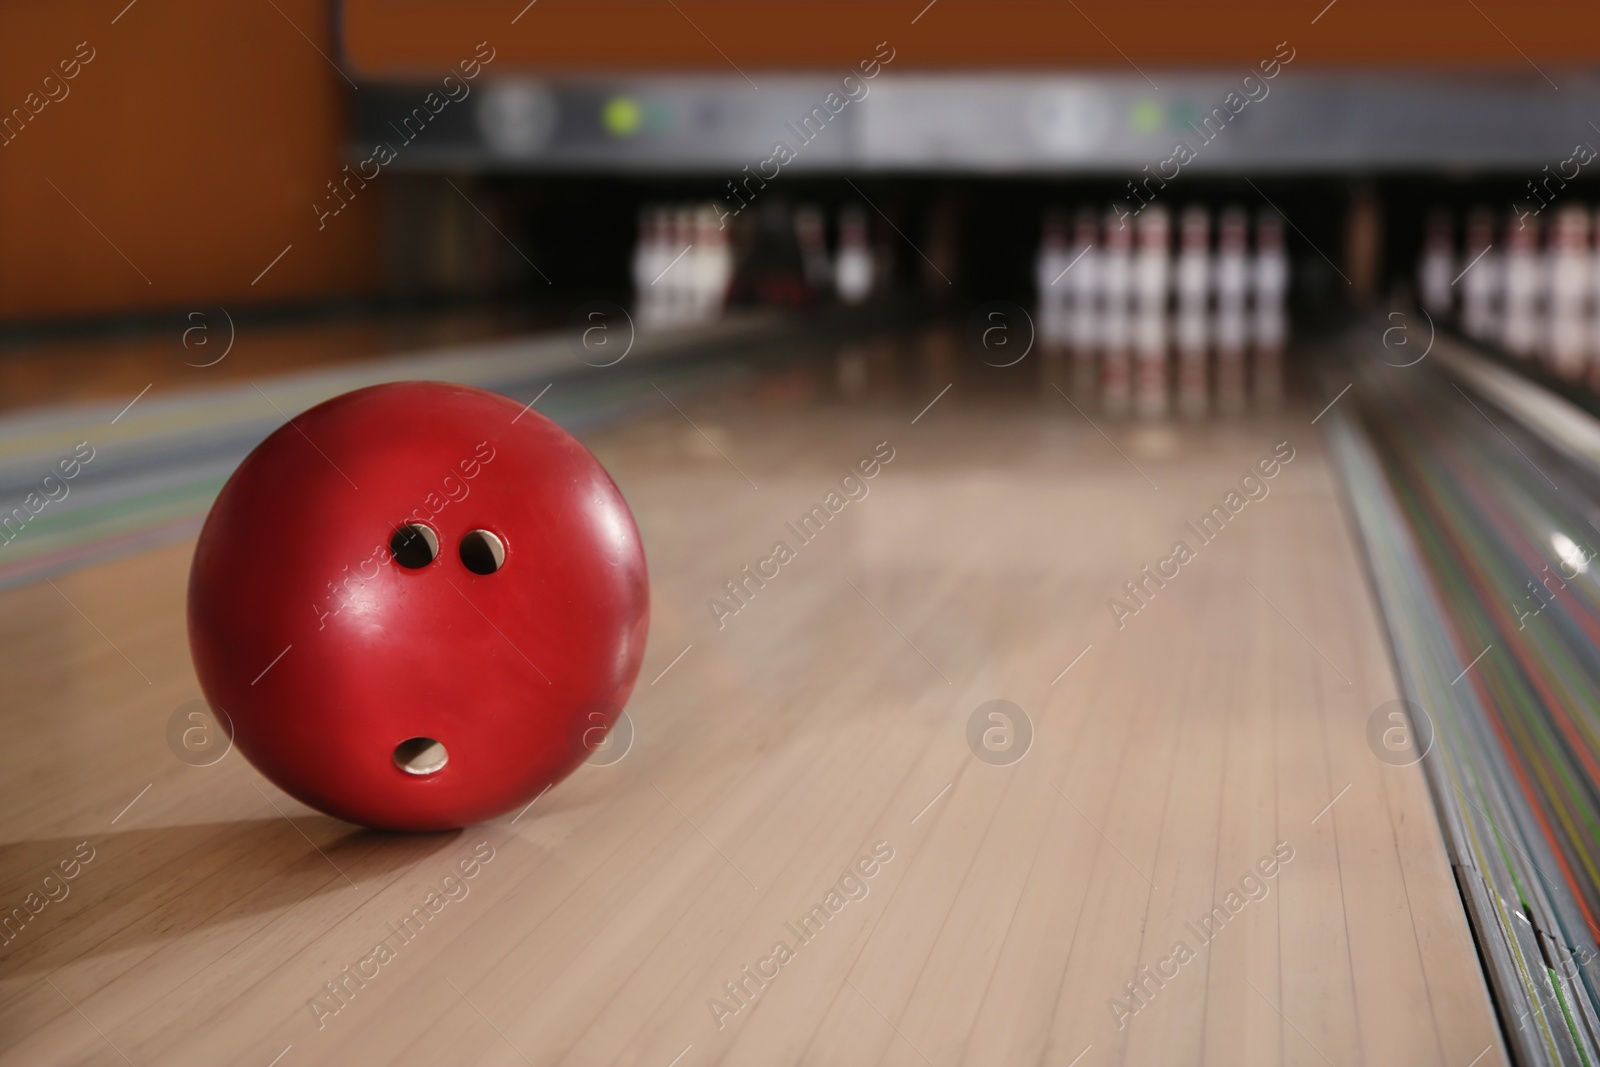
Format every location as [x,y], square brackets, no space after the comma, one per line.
[829,715]
[203,347]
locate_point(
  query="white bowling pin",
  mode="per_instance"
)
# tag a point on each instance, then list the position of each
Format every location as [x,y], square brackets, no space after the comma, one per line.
[1480,287]
[697,268]
[1269,315]
[1437,266]
[1051,310]
[1083,282]
[1152,270]
[1230,322]
[1269,270]
[647,265]
[853,267]
[1192,282]
[1523,288]
[714,266]
[1115,316]
[1567,283]
[1192,276]
[679,279]
[1233,258]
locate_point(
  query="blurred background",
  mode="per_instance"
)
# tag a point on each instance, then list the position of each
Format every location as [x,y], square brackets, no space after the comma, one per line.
[213,216]
[226,156]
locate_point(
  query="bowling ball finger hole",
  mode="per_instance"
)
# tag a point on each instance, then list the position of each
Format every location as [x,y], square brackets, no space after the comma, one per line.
[414,545]
[420,756]
[482,552]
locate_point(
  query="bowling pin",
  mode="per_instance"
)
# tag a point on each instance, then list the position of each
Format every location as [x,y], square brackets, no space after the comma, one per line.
[1050,310]
[1116,278]
[1269,316]
[1192,281]
[1083,285]
[1437,266]
[1480,284]
[647,265]
[679,277]
[853,266]
[640,263]
[851,372]
[1523,289]
[1230,329]
[713,269]
[1567,284]
[1152,270]
[694,268]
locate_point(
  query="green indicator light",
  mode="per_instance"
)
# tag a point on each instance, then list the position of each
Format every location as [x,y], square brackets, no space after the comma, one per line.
[1183,114]
[621,116]
[1146,116]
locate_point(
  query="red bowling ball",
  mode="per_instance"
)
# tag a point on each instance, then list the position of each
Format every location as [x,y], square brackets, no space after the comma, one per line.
[419,605]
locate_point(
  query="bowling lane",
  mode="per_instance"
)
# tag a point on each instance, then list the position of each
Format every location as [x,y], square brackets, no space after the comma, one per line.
[1174,845]
[155,457]
[213,345]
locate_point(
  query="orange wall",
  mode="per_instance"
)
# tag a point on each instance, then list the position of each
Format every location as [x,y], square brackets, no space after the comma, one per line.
[388,37]
[196,139]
